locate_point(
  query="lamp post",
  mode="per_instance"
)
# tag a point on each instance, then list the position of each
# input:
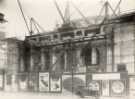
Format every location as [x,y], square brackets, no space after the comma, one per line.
[72,79]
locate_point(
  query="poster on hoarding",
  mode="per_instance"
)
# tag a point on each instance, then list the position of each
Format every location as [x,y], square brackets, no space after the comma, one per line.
[1,81]
[94,88]
[132,83]
[118,88]
[105,88]
[33,82]
[55,84]
[23,81]
[44,82]
[132,86]
[66,83]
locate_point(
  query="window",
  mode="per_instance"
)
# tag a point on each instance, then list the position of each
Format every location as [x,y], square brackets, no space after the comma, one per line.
[79,33]
[90,56]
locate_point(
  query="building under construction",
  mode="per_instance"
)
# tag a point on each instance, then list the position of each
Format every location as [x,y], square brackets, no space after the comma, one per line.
[88,60]
[84,60]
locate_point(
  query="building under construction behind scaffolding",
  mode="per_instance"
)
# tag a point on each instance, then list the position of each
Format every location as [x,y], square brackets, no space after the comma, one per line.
[83,60]
[97,60]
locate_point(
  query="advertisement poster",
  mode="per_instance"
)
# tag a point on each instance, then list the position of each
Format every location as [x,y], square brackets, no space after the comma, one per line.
[55,84]
[66,83]
[105,88]
[132,83]
[44,82]
[118,88]
[132,86]
[23,82]
[33,82]
[94,88]
[1,81]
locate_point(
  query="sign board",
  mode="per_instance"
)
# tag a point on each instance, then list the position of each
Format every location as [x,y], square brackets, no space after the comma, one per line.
[55,84]
[106,76]
[44,82]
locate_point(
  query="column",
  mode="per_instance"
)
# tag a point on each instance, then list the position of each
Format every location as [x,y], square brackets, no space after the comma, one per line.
[22,69]
[65,63]
[31,59]
[80,67]
[54,59]
[42,59]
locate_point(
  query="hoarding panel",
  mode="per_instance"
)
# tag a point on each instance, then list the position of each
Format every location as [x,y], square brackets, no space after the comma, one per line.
[23,81]
[132,86]
[105,88]
[94,88]
[33,82]
[55,84]
[44,82]
[1,81]
[118,88]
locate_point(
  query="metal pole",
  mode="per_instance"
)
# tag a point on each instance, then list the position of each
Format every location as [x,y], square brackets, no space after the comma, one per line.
[72,80]
[113,48]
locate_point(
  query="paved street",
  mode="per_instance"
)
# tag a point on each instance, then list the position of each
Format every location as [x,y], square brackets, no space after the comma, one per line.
[21,95]
[11,95]
[31,95]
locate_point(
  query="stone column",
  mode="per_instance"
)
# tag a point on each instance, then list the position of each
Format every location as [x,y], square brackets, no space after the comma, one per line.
[65,63]
[42,59]
[31,59]
[79,60]
[22,69]
[54,59]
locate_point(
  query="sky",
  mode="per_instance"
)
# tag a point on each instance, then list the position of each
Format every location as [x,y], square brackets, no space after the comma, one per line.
[46,14]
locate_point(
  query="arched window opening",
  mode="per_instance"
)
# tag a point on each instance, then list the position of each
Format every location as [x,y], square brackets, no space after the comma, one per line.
[90,56]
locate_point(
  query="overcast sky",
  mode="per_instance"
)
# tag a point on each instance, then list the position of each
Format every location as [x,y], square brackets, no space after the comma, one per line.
[44,11]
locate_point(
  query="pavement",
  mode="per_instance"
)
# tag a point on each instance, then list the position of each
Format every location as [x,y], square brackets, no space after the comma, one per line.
[32,95]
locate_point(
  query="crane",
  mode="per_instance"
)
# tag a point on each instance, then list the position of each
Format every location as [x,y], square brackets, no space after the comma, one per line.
[67,13]
[106,8]
[24,18]
[67,25]
[59,11]
[66,18]
[35,25]
[33,22]
[78,10]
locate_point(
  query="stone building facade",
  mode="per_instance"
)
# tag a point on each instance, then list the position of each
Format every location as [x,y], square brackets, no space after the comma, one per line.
[99,48]
[9,63]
